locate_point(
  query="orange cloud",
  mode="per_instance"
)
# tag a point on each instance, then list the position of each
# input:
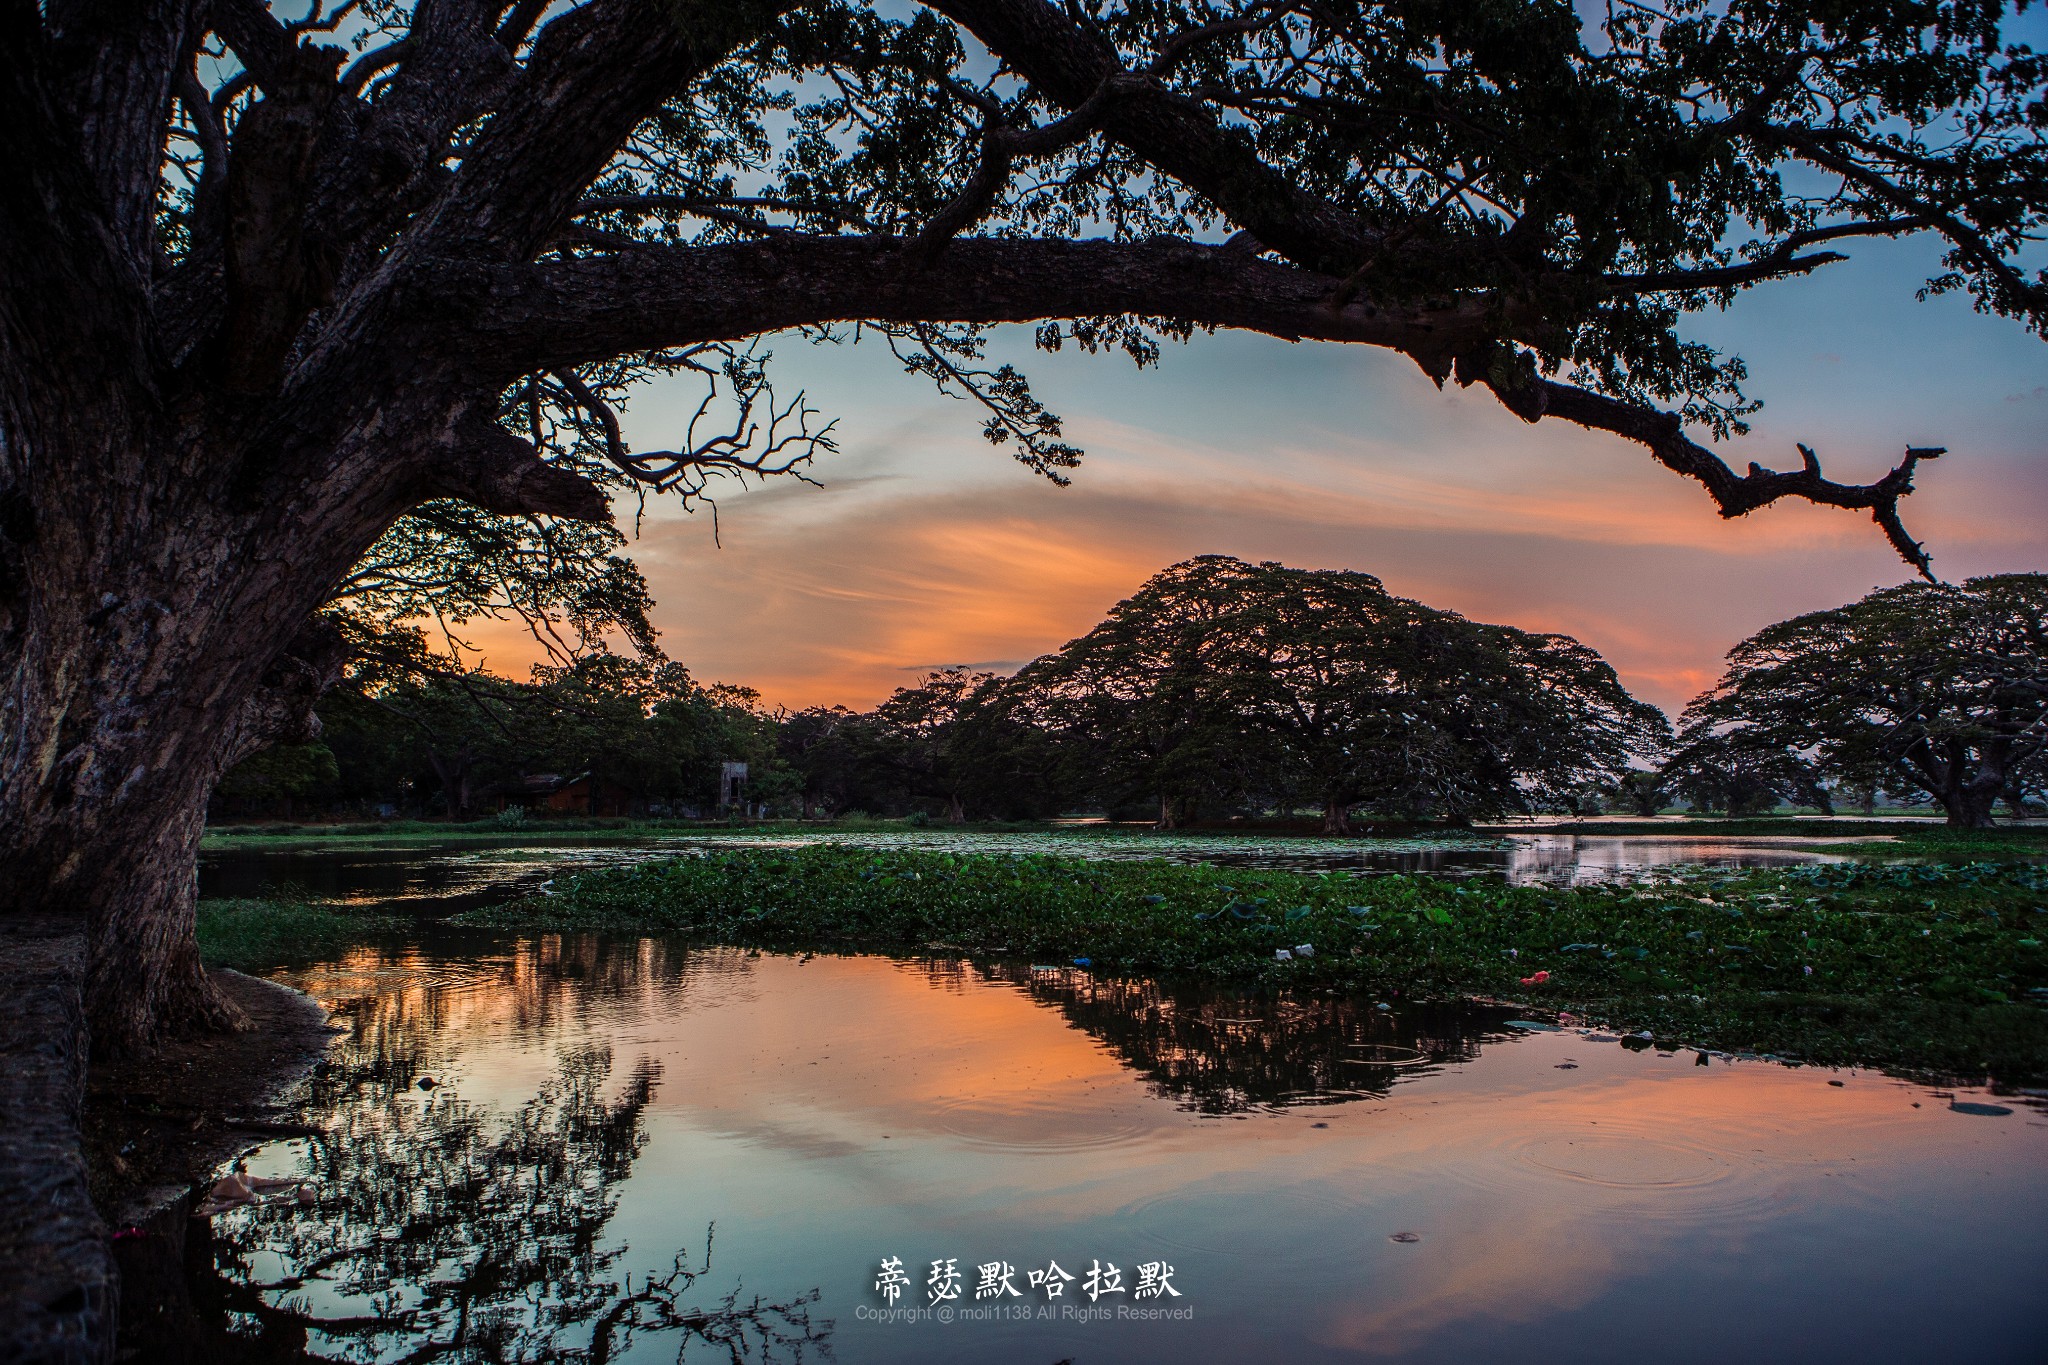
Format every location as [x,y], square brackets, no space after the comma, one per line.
[925,549]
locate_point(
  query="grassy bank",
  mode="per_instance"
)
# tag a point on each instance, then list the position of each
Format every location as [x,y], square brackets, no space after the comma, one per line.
[548,829]
[260,935]
[1935,967]
[1887,838]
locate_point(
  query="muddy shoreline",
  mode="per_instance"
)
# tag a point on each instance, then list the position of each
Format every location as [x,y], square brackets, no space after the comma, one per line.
[155,1131]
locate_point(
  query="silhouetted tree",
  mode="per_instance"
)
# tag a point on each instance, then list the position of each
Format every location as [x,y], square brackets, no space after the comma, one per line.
[1928,687]
[1219,676]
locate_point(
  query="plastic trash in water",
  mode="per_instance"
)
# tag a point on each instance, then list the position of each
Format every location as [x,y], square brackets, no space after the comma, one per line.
[1304,950]
[1282,955]
[1536,980]
[1084,962]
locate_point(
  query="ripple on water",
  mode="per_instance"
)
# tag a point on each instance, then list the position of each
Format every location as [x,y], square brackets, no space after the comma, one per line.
[1385,1054]
[1621,1168]
[1049,1123]
[1187,1220]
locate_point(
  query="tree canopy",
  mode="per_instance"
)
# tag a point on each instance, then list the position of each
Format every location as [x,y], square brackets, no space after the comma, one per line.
[1219,678]
[1928,688]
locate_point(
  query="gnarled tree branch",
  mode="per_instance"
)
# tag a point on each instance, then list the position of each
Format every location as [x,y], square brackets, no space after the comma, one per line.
[497,471]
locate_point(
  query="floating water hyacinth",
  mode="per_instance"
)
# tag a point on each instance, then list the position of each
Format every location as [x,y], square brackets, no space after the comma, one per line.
[1911,979]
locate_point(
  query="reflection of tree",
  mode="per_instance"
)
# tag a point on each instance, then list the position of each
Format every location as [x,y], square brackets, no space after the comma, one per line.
[436,1232]
[1218,1052]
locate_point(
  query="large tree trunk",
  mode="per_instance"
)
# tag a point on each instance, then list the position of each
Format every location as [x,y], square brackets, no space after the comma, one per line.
[1336,817]
[1969,806]
[154,630]
[121,719]
[1967,785]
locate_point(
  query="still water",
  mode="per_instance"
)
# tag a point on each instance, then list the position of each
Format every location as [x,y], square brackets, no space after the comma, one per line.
[461,876]
[1327,1180]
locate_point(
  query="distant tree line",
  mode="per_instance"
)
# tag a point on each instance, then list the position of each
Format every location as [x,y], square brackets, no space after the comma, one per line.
[1220,688]
[1223,689]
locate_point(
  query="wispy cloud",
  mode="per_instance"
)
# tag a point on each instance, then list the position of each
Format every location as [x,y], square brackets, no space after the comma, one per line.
[926,548]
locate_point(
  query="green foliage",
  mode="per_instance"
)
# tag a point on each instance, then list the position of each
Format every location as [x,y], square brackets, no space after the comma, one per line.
[452,564]
[1653,142]
[1928,687]
[280,771]
[1837,970]
[1218,679]
[261,935]
[425,739]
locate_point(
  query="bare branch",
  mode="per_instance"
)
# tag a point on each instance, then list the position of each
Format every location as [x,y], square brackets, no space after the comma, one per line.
[720,209]
[1170,130]
[212,138]
[1734,494]
[1777,263]
[613,62]
[748,448]
[1176,49]
[1001,147]
[2023,294]
[519,23]
[362,69]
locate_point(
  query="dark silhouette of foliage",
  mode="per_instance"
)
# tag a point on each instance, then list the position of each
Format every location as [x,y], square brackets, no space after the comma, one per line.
[438,1231]
[1933,688]
[1217,676]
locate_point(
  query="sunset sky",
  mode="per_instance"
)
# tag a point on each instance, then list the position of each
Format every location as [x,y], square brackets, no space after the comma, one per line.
[927,546]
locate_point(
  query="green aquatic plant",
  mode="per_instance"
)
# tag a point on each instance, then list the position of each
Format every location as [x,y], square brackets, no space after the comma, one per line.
[1778,961]
[256,934]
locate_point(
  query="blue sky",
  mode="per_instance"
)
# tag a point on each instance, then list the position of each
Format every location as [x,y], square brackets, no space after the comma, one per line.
[926,546]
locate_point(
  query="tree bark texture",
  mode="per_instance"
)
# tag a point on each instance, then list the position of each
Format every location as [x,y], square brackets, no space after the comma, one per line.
[58,1289]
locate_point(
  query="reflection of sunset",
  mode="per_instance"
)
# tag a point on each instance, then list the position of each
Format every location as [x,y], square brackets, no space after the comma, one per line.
[817,1109]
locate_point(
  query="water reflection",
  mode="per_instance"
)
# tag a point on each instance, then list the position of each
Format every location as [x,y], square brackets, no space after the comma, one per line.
[1330,1180]
[1221,1052]
[1575,859]
[452,878]
[430,1226]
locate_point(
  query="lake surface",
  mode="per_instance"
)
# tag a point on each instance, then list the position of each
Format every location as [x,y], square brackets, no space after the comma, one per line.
[1327,1179]
[461,876]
